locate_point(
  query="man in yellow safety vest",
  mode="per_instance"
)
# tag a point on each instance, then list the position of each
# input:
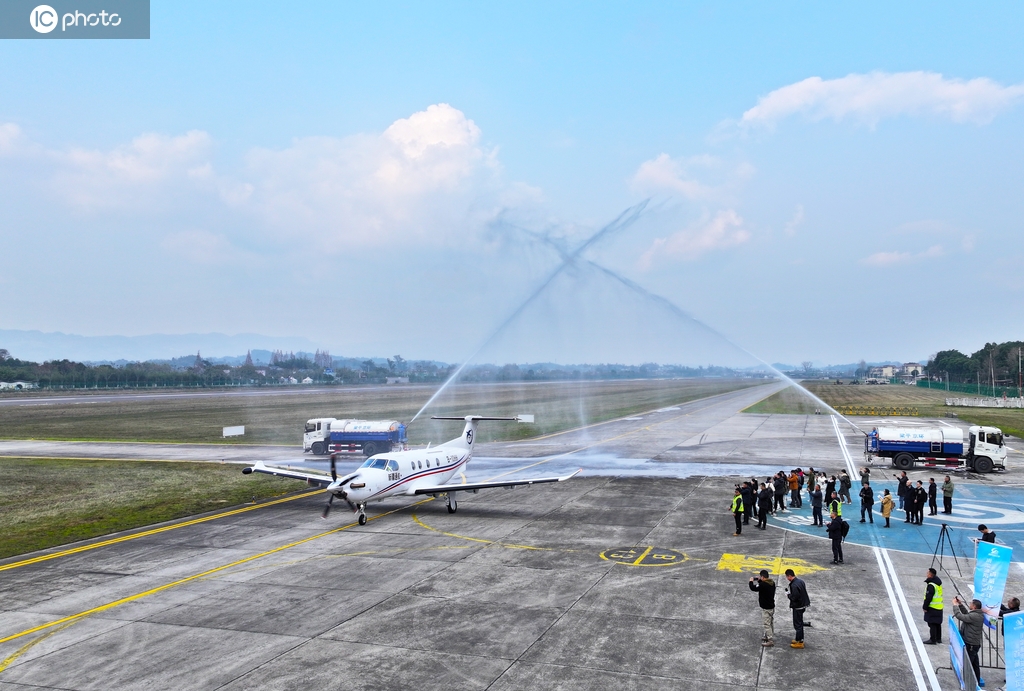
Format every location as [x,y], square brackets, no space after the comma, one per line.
[933,607]
[737,510]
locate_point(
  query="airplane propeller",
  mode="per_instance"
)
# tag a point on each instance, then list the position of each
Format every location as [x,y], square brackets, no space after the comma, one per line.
[334,477]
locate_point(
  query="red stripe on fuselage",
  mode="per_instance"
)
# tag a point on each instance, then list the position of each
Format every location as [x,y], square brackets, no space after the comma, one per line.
[423,473]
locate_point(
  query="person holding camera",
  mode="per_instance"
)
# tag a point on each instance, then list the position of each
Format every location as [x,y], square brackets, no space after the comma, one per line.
[764,586]
[973,624]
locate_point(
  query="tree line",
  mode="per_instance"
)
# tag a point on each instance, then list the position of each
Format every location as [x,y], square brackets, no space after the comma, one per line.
[286,367]
[995,364]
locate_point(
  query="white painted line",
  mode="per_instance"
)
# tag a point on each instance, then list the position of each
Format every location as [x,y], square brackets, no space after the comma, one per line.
[914,666]
[904,618]
[906,612]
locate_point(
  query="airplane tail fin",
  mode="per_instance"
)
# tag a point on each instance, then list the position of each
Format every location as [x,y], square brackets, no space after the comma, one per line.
[468,437]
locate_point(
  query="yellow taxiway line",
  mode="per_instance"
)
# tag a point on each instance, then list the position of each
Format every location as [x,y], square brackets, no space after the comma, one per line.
[189,579]
[154,531]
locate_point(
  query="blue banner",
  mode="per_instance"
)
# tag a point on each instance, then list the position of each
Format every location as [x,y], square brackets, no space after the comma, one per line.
[956,651]
[990,571]
[1013,639]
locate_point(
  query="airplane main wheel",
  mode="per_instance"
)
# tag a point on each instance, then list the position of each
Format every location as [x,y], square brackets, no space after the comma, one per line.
[453,506]
[362,519]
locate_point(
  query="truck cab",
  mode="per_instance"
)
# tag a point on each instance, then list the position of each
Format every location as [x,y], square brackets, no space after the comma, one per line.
[985,448]
[317,435]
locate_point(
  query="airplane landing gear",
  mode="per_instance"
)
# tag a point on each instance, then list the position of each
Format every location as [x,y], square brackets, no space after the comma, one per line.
[361,508]
[453,505]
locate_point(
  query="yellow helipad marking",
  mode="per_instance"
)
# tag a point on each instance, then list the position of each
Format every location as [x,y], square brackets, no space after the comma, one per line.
[644,556]
[209,572]
[154,531]
[774,565]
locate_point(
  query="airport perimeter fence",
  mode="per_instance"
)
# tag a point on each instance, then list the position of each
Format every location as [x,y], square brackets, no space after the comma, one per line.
[986,402]
[974,389]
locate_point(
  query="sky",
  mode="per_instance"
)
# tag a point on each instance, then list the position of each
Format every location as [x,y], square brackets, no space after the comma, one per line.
[808,182]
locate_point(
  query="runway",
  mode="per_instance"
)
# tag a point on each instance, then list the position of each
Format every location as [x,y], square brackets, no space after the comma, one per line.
[626,577]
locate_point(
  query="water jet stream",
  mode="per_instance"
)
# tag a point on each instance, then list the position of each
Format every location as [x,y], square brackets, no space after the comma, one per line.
[623,220]
[678,312]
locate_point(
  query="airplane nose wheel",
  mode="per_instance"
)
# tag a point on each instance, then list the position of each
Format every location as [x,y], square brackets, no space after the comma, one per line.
[361,508]
[453,505]
[362,519]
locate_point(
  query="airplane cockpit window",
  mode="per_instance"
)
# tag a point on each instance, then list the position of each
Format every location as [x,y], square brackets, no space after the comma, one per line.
[392,466]
[379,463]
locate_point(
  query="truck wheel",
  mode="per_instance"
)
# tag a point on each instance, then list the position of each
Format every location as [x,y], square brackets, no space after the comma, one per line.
[983,464]
[903,461]
[369,449]
[318,448]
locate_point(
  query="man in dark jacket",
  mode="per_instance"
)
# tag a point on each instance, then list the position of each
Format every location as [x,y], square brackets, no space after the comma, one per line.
[748,502]
[781,485]
[933,501]
[901,489]
[910,503]
[817,500]
[867,500]
[973,623]
[844,487]
[920,499]
[933,607]
[764,505]
[798,602]
[764,586]
[835,534]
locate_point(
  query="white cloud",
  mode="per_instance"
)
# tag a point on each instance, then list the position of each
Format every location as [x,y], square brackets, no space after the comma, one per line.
[9,136]
[702,177]
[871,97]
[141,173]
[425,179]
[884,259]
[665,174]
[795,222]
[722,231]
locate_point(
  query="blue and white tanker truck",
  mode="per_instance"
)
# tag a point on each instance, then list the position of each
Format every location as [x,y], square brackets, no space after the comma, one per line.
[938,447]
[331,435]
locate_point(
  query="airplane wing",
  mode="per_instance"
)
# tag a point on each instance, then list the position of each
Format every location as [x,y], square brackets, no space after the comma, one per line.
[312,479]
[475,486]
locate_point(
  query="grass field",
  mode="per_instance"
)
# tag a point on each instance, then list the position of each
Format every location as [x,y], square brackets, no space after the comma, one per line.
[46,503]
[929,403]
[278,419]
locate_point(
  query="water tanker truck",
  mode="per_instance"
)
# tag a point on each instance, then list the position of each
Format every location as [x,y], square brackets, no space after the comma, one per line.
[938,447]
[331,435]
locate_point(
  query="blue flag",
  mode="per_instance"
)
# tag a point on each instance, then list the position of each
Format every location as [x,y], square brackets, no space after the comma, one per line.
[1013,639]
[990,571]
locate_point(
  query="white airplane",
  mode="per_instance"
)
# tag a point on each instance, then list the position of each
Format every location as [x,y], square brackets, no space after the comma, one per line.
[422,471]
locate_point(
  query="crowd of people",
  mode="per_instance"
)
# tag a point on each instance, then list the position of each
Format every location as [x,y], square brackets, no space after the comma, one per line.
[752,499]
[828,493]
